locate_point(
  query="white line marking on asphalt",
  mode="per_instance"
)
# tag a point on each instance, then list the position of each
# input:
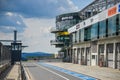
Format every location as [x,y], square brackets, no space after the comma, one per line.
[29,76]
[52,72]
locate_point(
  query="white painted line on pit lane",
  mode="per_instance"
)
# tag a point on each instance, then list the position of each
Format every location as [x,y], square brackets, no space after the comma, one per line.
[52,72]
[28,74]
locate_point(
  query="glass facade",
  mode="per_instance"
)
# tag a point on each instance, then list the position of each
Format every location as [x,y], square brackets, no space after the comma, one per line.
[87,34]
[82,35]
[118,24]
[77,36]
[62,38]
[73,37]
[65,21]
[62,25]
[102,29]
[105,28]
[65,39]
[94,31]
[111,26]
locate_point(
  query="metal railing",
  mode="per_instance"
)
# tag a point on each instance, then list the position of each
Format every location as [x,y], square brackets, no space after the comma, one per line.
[53,42]
[53,29]
[23,73]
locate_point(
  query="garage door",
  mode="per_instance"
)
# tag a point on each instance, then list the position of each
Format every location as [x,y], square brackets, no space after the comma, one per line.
[82,56]
[88,55]
[79,56]
[110,55]
[118,55]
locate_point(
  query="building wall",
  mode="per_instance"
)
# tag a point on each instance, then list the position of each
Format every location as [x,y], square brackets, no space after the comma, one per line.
[97,40]
[105,52]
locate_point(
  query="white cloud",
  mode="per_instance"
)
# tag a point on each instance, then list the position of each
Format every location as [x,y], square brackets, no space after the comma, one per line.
[37,35]
[72,5]
[38,8]
[9,28]
[9,14]
[62,9]
[66,6]
[18,22]
[5,36]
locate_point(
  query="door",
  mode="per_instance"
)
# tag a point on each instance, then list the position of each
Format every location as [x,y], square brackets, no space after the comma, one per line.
[82,56]
[94,60]
[76,56]
[118,55]
[110,55]
[101,55]
[88,55]
[72,55]
[79,56]
[94,53]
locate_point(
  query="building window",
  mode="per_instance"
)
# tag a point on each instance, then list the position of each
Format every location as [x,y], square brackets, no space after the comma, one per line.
[118,24]
[82,34]
[71,40]
[87,34]
[101,48]
[64,22]
[79,35]
[110,48]
[112,26]
[102,29]
[94,31]
[93,56]
[73,37]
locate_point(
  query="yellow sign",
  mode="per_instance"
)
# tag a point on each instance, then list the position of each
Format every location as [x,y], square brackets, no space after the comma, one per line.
[63,33]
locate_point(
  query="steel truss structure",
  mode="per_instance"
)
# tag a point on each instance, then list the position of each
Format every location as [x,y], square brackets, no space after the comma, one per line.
[96,7]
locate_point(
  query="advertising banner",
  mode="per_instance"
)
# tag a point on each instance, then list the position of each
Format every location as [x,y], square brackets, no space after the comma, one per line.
[112,11]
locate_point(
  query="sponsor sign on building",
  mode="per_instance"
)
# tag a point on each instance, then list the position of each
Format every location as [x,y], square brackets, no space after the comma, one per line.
[103,15]
[67,18]
[94,19]
[72,29]
[112,11]
[119,8]
[77,26]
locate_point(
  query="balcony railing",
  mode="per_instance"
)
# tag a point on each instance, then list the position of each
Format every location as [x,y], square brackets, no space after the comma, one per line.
[55,42]
[54,30]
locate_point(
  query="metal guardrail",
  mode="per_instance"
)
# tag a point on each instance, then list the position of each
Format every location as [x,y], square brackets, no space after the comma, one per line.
[23,73]
[53,42]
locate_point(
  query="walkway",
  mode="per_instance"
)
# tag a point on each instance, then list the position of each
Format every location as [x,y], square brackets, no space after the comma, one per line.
[102,73]
[14,73]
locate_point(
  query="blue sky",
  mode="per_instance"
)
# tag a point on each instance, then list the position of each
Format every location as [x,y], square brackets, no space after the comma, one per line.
[33,20]
[81,3]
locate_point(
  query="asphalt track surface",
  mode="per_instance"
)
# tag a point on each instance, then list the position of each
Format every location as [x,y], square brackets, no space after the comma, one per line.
[43,71]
